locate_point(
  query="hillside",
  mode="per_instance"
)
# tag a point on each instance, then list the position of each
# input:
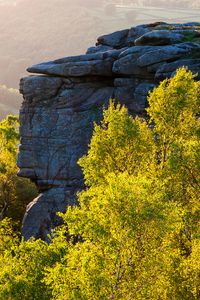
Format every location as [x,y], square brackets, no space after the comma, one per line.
[44,30]
[48,29]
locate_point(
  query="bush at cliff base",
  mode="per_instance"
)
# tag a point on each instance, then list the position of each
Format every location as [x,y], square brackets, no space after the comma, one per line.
[15,192]
[137,226]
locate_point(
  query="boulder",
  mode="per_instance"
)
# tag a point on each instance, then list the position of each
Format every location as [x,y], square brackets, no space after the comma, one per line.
[137,50]
[77,69]
[39,88]
[159,37]
[168,69]
[136,32]
[162,54]
[41,214]
[116,39]
[99,48]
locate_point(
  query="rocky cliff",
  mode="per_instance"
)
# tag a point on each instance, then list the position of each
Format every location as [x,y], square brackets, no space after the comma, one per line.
[61,105]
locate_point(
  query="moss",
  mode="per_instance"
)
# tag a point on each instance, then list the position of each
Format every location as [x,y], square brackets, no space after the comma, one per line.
[191,37]
[166,27]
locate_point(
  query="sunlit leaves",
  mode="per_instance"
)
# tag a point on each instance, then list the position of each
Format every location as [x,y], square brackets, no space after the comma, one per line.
[135,234]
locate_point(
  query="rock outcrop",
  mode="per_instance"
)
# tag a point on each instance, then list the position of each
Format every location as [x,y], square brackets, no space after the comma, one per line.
[61,105]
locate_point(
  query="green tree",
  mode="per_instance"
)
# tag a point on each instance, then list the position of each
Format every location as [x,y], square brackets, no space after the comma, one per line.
[139,216]
[135,234]
[22,264]
[15,193]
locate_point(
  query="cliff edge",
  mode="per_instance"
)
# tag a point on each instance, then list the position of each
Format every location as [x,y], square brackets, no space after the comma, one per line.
[66,96]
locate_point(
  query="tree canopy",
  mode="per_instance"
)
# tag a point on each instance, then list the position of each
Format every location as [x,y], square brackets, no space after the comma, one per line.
[15,193]
[135,234]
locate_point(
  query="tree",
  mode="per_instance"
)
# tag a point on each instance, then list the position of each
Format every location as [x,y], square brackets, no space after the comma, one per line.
[15,192]
[139,216]
[22,264]
[135,234]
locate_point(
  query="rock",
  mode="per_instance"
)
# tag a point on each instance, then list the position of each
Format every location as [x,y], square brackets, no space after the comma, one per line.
[88,57]
[111,53]
[159,55]
[144,88]
[187,33]
[141,94]
[168,69]
[116,39]
[189,47]
[44,209]
[137,50]
[153,68]
[192,24]
[78,58]
[155,24]
[99,48]
[136,32]
[133,93]
[124,90]
[61,105]
[82,98]
[178,26]
[125,81]
[39,88]
[76,69]
[127,65]
[159,37]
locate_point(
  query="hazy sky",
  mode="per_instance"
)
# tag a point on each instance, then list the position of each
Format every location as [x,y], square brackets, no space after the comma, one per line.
[33,31]
[40,30]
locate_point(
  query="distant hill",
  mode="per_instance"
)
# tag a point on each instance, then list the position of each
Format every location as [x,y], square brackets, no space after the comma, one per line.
[34,31]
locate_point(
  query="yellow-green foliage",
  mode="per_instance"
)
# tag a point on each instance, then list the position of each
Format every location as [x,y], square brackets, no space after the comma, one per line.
[15,193]
[135,234]
[120,144]
[22,264]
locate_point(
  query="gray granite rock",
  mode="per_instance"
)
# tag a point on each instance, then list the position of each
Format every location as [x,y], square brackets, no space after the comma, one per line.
[141,94]
[37,88]
[41,214]
[160,55]
[77,69]
[193,24]
[124,90]
[127,65]
[137,50]
[98,48]
[133,93]
[159,37]
[136,32]
[168,69]
[116,39]
[60,107]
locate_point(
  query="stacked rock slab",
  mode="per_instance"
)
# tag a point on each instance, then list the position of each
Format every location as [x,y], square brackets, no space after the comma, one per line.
[65,98]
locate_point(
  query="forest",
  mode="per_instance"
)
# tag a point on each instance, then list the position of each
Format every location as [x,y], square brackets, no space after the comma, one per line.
[135,234]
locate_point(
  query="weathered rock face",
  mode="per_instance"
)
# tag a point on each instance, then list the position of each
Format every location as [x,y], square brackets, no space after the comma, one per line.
[61,105]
